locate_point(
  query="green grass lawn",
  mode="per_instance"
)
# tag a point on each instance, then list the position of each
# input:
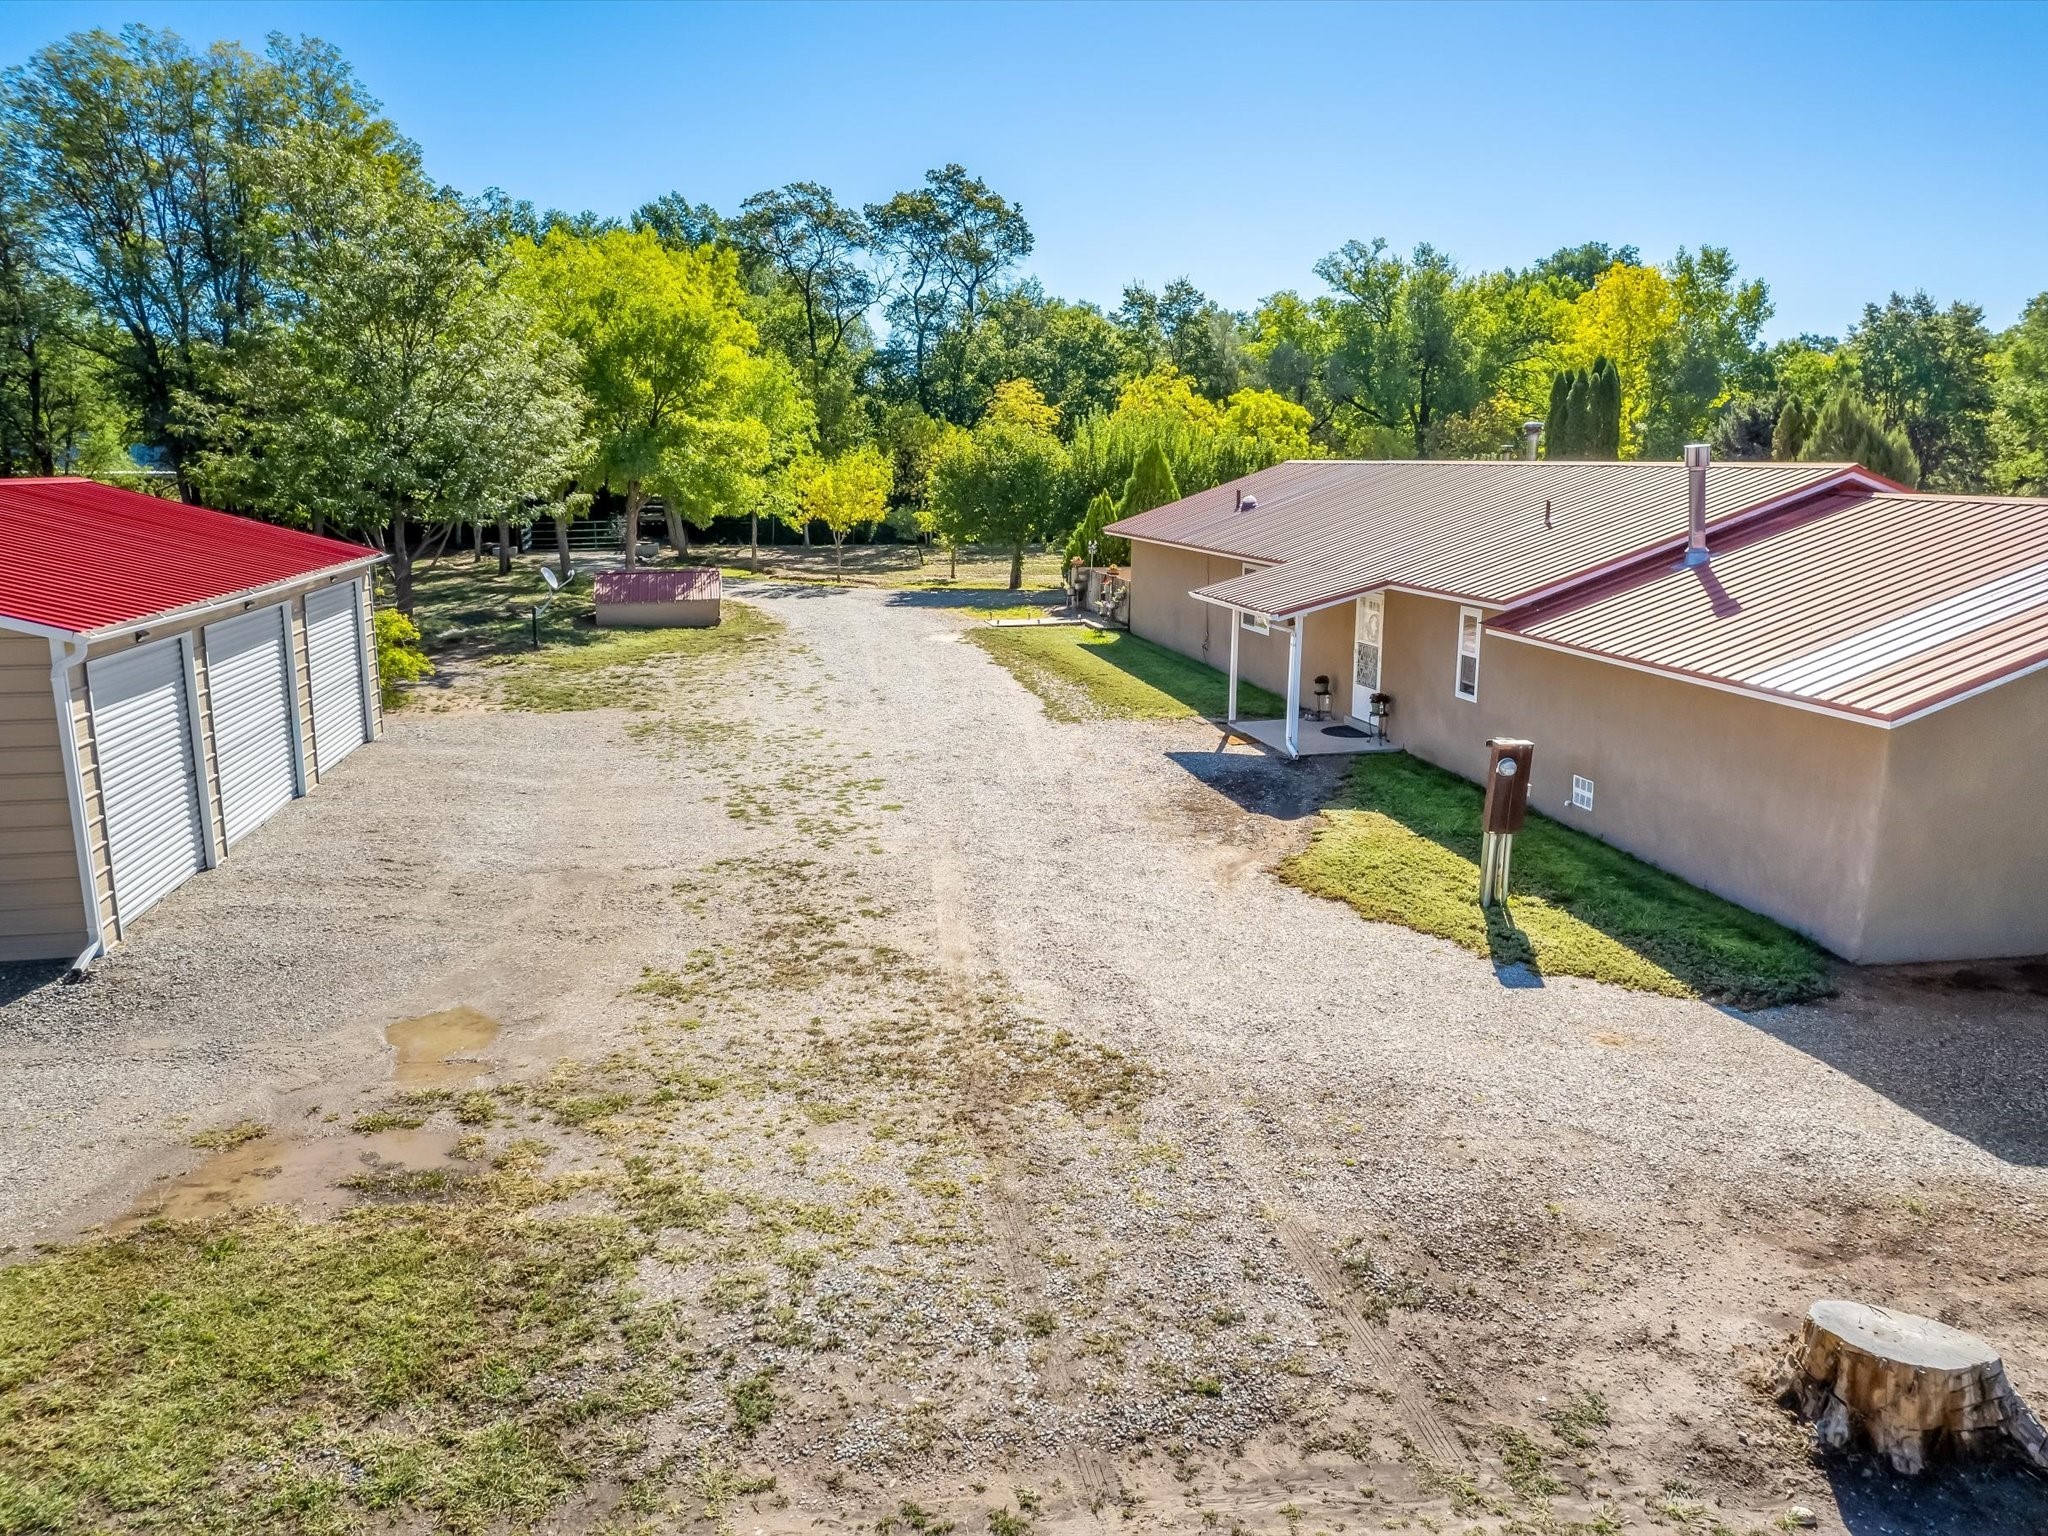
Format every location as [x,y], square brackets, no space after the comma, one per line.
[469,612]
[1086,674]
[1401,845]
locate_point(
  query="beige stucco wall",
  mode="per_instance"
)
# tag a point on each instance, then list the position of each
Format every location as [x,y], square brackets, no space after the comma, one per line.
[1162,611]
[1774,808]
[42,913]
[1962,851]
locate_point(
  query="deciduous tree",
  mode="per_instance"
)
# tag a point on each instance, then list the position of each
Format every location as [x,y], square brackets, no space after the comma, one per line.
[845,492]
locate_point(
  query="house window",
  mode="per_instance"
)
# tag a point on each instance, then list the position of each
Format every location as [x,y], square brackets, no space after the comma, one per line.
[1582,793]
[1255,622]
[1467,686]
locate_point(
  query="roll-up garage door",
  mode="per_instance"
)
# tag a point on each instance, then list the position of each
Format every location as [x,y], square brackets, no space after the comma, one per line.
[334,653]
[142,737]
[249,699]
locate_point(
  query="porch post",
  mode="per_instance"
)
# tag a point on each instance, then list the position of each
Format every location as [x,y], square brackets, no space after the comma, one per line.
[1236,629]
[1294,687]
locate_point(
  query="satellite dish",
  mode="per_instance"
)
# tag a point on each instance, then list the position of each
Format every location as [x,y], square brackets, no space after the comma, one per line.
[547,574]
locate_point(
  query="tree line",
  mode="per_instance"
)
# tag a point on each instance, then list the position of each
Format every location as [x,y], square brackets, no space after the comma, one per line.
[227,273]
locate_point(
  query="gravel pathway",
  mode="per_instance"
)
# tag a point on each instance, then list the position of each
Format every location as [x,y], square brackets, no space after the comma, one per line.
[1586,1183]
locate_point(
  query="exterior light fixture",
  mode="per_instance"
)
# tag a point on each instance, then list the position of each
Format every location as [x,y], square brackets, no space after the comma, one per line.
[1322,698]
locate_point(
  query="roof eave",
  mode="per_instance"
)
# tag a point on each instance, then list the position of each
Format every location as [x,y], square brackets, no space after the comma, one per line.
[245,595]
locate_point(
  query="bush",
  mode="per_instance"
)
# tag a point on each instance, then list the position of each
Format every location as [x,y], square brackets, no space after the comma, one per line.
[399,657]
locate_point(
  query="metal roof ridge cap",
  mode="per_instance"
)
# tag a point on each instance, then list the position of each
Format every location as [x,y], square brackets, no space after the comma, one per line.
[1728,522]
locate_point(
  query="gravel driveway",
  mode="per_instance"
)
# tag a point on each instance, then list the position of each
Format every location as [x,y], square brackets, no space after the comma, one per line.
[1553,1183]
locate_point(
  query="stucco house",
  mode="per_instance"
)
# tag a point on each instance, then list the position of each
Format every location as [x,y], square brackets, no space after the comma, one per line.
[1797,685]
[170,678]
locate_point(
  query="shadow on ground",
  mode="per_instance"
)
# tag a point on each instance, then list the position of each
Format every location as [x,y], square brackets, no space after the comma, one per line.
[2002,1497]
[1262,784]
[18,978]
[1961,1047]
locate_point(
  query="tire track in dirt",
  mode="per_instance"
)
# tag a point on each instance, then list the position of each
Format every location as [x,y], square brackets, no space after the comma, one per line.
[1017,1241]
[1370,1345]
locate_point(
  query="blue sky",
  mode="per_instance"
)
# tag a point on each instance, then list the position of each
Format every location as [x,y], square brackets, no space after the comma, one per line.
[1839,151]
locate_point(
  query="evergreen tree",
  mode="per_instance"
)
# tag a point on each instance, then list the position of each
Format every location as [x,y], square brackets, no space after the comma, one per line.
[1847,430]
[1151,484]
[1579,411]
[1795,422]
[1088,544]
[1603,439]
[1557,429]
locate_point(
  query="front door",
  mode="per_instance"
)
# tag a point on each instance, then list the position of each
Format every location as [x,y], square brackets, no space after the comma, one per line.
[1365,654]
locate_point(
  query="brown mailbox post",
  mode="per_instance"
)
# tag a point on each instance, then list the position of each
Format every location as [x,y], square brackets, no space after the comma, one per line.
[1508,763]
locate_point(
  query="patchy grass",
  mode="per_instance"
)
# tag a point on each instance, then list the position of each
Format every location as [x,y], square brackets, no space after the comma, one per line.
[1401,844]
[276,1374]
[227,1137]
[465,609]
[1087,674]
[611,671]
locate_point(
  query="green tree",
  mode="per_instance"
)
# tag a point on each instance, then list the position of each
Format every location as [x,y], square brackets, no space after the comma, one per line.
[1928,372]
[160,177]
[813,250]
[1002,483]
[1559,430]
[1847,430]
[413,388]
[1707,352]
[669,364]
[1745,428]
[1403,355]
[1794,426]
[1151,484]
[846,492]
[1089,544]
[2019,429]
[1603,434]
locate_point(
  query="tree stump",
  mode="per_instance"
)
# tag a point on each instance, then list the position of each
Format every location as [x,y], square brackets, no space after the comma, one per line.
[1907,1386]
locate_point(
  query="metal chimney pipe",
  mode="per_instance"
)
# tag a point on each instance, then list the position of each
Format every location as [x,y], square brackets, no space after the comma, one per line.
[1697,456]
[1531,431]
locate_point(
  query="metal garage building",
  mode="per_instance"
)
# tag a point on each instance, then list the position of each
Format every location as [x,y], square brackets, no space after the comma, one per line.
[170,677]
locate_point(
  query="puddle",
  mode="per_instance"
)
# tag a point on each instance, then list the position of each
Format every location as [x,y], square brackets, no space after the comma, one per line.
[436,1050]
[305,1173]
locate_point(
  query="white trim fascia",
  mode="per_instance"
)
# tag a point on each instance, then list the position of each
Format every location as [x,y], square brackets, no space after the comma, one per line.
[63,659]
[254,597]
[206,776]
[1970,693]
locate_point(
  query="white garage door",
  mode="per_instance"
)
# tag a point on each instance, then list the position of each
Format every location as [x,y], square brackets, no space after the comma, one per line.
[248,691]
[142,735]
[334,652]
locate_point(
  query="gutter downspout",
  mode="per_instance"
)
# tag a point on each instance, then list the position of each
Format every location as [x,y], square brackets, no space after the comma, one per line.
[64,655]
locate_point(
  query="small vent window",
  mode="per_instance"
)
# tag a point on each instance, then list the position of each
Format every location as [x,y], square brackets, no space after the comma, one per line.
[1582,793]
[1255,622]
[1467,685]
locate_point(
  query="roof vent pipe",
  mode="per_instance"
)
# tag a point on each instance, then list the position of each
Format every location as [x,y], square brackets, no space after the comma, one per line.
[1531,431]
[1697,456]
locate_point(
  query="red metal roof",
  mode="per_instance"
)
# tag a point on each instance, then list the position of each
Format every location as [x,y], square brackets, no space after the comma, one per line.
[1879,607]
[684,584]
[77,555]
[1330,529]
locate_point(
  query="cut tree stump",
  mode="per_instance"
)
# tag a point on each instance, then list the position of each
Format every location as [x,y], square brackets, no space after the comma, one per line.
[1907,1386]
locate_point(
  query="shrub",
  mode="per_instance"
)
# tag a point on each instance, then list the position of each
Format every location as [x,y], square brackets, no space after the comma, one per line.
[399,657]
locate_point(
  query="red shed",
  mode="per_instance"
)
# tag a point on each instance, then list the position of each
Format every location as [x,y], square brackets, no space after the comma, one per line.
[685,598]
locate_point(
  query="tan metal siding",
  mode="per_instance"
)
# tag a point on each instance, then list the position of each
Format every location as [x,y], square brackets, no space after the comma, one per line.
[42,912]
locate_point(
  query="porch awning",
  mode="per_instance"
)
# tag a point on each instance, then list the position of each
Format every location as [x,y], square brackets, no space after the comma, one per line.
[1296,587]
